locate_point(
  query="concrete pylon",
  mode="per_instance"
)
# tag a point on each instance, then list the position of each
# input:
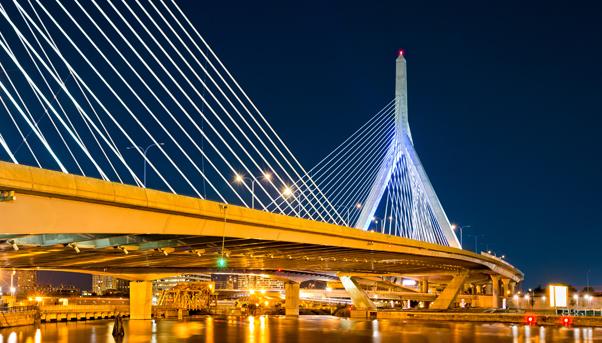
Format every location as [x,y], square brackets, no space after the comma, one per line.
[291,302]
[359,298]
[403,145]
[449,294]
[141,299]
[495,291]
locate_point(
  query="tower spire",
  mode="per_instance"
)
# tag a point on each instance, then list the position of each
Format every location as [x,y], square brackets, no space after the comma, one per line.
[401,97]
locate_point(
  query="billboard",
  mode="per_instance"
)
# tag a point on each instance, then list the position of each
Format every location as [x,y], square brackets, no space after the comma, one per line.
[558,295]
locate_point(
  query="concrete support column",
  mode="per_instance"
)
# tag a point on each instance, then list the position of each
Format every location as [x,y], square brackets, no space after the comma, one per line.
[512,286]
[506,285]
[291,303]
[424,286]
[359,298]
[479,289]
[447,298]
[141,299]
[495,291]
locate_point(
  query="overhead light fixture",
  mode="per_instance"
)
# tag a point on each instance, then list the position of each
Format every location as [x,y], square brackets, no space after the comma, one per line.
[124,249]
[13,244]
[74,247]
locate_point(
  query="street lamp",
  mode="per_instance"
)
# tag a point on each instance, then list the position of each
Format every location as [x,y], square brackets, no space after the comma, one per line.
[476,243]
[239,178]
[461,228]
[376,220]
[356,206]
[144,153]
[288,192]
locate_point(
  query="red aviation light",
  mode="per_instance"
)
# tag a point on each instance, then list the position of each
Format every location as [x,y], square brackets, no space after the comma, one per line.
[400,52]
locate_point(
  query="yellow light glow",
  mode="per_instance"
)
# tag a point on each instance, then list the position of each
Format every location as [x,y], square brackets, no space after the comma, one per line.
[251,291]
[267,176]
[38,299]
[238,178]
[266,303]
[262,291]
[287,191]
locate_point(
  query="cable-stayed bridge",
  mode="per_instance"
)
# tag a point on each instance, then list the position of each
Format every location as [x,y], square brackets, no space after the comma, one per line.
[99,89]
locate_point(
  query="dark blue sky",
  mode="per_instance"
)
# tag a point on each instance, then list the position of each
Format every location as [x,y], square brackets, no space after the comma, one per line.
[505,105]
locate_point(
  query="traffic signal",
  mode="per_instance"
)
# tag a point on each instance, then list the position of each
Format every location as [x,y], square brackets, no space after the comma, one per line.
[222,262]
[7,196]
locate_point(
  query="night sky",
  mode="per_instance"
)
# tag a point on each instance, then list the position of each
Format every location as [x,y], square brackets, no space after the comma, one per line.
[505,103]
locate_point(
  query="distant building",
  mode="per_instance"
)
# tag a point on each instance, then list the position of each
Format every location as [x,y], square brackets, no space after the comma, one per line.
[103,285]
[26,282]
[244,282]
[172,281]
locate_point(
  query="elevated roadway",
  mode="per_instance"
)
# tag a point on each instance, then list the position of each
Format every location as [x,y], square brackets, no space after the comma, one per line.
[66,222]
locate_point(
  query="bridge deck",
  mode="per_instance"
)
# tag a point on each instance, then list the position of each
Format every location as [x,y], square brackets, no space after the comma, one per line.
[171,234]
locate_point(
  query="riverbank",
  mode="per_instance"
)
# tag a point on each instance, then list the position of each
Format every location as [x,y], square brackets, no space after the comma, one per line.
[506,318]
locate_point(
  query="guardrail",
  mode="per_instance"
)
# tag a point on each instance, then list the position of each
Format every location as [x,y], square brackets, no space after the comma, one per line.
[6,309]
[577,312]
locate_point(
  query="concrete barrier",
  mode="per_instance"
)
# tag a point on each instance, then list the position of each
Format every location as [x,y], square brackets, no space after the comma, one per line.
[57,313]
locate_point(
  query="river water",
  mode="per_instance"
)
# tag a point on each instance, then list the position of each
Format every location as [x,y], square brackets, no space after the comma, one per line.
[312,329]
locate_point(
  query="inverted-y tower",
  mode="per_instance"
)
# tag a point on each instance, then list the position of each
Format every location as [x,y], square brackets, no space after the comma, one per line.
[401,145]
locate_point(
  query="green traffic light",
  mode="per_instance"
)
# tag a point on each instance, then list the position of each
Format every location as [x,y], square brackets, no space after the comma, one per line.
[221,262]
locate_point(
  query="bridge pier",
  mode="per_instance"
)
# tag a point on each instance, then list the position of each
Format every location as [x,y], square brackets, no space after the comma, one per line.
[291,303]
[424,286]
[506,286]
[495,291]
[359,298]
[141,299]
[449,294]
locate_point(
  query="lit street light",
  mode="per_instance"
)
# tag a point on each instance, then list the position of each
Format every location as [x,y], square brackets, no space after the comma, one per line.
[288,192]
[239,179]
[461,228]
[144,153]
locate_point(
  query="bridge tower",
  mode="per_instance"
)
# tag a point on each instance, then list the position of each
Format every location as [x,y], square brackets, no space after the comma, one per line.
[402,145]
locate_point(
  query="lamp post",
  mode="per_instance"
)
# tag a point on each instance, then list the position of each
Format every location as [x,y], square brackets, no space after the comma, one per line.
[376,220]
[145,150]
[348,210]
[288,192]
[461,228]
[476,242]
[239,178]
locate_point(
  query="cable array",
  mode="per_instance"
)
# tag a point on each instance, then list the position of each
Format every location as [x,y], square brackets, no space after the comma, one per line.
[347,173]
[120,89]
[129,91]
[350,172]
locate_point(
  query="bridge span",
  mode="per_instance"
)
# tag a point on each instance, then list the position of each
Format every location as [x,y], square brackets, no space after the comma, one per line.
[66,222]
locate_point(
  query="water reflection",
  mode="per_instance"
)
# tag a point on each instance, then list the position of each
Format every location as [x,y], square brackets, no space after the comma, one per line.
[313,329]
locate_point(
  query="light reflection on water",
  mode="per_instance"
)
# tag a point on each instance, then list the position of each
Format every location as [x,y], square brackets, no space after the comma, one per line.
[313,329]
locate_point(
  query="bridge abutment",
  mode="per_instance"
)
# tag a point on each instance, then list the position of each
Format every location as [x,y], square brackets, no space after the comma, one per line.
[141,299]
